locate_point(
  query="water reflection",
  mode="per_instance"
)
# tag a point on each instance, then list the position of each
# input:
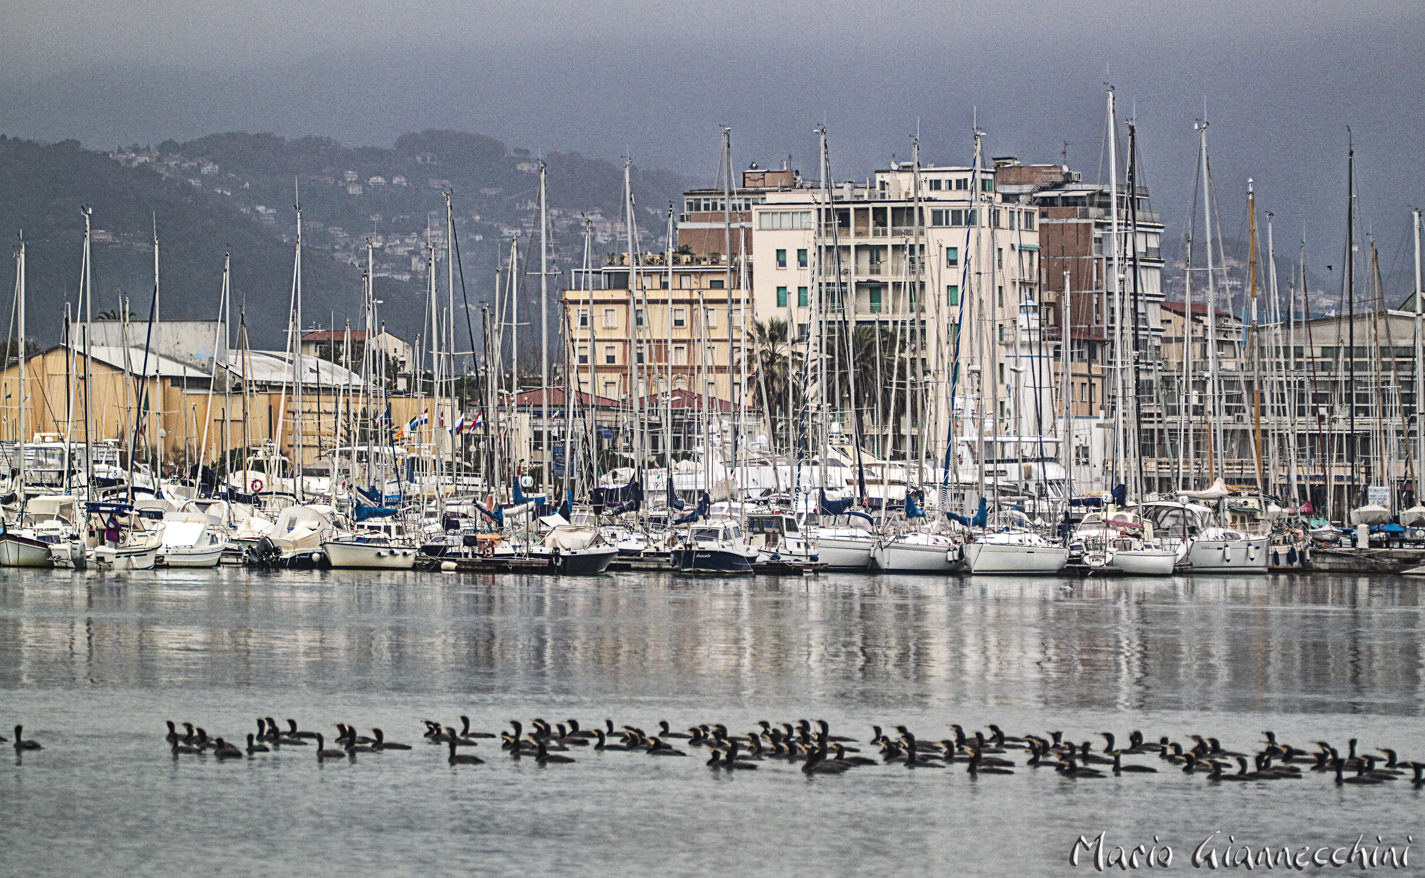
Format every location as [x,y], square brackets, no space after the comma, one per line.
[1283,643]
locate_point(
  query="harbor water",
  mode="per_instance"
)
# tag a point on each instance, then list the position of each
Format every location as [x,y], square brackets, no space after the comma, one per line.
[92,665]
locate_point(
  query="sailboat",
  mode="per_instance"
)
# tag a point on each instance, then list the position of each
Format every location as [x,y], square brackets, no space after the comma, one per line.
[19,547]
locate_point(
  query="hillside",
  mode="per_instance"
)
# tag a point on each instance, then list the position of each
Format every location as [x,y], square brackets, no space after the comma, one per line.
[234,193]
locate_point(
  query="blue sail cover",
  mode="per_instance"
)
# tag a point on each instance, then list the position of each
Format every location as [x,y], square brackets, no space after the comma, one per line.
[622,496]
[980,518]
[704,504]
[912,510]
[1120,494]
[363,512]
[832,507]
[674,501]
[497,515]
[567,506]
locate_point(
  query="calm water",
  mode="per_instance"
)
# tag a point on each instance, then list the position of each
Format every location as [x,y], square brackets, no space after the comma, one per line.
[92,665]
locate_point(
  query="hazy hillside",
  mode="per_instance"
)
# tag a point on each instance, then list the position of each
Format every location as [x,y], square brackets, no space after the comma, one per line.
[234,193]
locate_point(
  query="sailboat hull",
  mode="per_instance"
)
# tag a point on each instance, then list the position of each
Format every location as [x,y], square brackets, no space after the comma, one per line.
[844,553]
[1000,558]
[1144,562]
[902,555]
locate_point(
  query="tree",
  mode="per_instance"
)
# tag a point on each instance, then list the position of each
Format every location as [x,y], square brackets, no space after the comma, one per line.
[776,368]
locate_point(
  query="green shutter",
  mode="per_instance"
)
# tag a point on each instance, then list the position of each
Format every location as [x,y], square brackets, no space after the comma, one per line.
[802,297]
[953,291]
[781,297]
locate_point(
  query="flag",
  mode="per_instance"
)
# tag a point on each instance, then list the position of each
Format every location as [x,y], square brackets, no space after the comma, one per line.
[467,425]
[417,422]
[383,419]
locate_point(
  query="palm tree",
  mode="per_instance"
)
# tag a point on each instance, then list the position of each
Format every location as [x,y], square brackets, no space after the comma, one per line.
[878,354]
[776,368]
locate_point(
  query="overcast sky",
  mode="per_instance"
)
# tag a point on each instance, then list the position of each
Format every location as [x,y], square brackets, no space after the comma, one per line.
[1281,81]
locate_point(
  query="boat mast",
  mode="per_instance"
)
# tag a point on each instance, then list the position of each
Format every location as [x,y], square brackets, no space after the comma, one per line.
[1215,452]
[1419,360]
[20,355]
[87,294]
[1116,290]
[1348,285]
[1253,334]
[546,481]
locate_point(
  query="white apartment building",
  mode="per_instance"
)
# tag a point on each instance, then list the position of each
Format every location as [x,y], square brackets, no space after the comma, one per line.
[937,261]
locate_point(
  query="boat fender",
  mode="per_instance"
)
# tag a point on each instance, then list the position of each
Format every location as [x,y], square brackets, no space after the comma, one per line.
[380,553]
[447,567]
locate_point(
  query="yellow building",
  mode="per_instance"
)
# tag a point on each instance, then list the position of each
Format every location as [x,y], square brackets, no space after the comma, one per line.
[655,328]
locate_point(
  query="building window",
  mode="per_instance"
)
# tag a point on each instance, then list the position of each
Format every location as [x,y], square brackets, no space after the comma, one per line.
[999,295]
[609,357]
[583,356]
[610,389]
[717,284]
[801,257]
[583,317]
[640,358]
[875,300]
[781,297]
[987,184]
[962,183]
[999,254]
[953,217]
[777,220]
[952,257]
[638,316]
[781,258]
[680,355]
[711,322]
[1028,221]
[953,292]
[610,318]
[680,318]
[801,297]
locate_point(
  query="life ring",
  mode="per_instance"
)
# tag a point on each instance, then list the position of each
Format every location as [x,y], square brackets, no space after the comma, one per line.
[256,485]
[487,548]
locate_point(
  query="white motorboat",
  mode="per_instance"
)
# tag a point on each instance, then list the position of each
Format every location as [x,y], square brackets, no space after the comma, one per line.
[368,551]
[1201,545]
[20,548]
[192,539]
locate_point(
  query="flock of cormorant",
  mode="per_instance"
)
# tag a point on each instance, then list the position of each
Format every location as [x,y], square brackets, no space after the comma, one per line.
[810,746]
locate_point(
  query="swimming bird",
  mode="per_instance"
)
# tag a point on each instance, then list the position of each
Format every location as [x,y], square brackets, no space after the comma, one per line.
[458,758]
[293,732]
[253,747]
[22,744]
[659,747]
[544,757]
[465,729]
[603,743]
[223,750]
[383,744]
[816,763]
[324,752]
[975,768]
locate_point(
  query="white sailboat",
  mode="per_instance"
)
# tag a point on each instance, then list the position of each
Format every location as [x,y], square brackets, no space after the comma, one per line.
[18,546]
